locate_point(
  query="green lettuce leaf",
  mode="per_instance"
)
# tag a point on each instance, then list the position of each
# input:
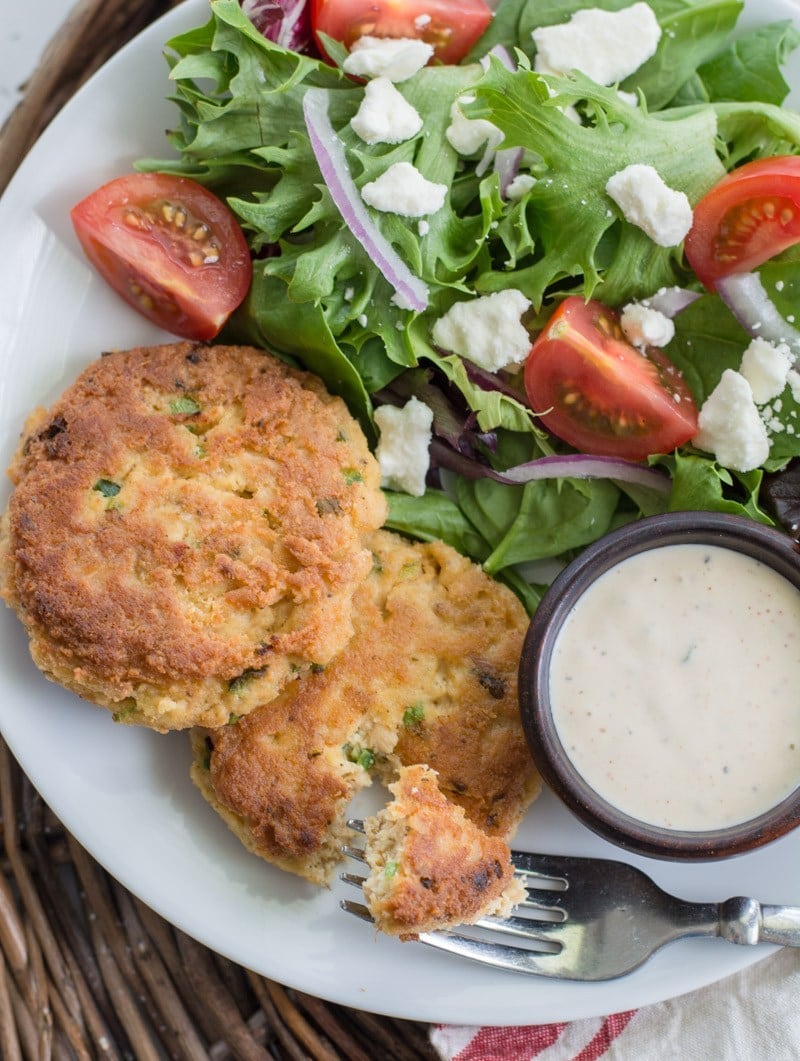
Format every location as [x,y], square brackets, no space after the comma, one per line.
[708,340]
[706,102]
[700,484]
[750,68]
[568,207]
[693,31]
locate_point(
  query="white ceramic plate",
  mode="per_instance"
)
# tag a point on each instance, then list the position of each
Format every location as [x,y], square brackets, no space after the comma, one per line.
[126,794]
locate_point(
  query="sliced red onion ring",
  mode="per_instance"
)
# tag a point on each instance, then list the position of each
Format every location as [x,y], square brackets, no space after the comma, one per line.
[561,466]
[745,297]
[507,160]
[587,466]
[671,300]
[287,22]
[499,51]
[410,291]
[506,166]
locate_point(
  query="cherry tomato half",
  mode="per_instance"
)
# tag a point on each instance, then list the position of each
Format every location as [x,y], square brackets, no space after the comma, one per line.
[750,216]
[602,395]
[451,26]
[169,247]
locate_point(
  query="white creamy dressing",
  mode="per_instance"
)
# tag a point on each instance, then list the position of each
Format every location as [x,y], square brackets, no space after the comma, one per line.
[675,686]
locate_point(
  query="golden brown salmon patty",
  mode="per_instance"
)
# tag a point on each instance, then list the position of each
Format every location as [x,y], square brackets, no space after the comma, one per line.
[430,627]
[430,866]
[187,531]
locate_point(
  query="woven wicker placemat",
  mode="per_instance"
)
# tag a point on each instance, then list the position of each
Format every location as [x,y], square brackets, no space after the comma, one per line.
[86,970]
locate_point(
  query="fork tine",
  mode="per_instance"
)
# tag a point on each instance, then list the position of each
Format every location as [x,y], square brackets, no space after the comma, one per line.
[357,909]
[354,852]
[501,956]
[524,928]
[356,824]
[352,878]
[542,868]
[545,899]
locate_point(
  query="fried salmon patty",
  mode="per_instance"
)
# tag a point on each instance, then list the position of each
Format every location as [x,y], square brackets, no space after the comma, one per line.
[430,866]
[187,531]
[430,676]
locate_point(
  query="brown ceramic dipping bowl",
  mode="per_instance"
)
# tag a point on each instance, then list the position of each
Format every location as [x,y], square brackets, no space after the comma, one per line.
[765,544]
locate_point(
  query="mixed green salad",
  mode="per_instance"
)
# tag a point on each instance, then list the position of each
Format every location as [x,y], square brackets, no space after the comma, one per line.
[708,101]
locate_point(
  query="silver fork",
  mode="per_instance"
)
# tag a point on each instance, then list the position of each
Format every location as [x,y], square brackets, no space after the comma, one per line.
[594,919]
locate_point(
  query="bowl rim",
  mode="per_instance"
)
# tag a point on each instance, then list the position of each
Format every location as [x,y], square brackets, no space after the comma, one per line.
[728,530]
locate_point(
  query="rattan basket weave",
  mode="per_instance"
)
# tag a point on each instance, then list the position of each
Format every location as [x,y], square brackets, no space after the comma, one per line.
[86,970]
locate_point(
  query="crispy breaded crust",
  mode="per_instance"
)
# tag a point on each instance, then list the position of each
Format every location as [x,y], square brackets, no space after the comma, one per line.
[430,866]
[299,824]
[186,531]
[430,626]
[466,632]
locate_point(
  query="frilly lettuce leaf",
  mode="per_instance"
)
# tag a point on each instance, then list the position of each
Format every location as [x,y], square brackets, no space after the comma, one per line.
[568,207]
[317,299]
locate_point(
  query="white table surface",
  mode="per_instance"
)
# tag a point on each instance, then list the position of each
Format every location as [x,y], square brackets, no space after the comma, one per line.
[25,30]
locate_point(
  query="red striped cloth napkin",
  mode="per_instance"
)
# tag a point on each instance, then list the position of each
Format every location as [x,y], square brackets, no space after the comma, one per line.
[752,1016]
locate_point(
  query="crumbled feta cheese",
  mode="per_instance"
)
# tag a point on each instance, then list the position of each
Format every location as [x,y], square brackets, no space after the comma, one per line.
[766,366]
[520,186]
[486,330]
[730,426]
[403,447]
[396,58]
[468,135]
[607,46]
[793,379]
[646,201]
[643,326]
[401,189]
[423,228]
[385,115]
[421,21]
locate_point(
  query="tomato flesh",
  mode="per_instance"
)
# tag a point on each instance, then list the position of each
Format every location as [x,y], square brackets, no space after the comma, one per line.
[169,247]
[749,217]
[595,391]
[450,26]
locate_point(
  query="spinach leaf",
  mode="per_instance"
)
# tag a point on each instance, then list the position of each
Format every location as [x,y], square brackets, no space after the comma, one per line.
[538,520]
[435,517]
[749,69]
[708,340]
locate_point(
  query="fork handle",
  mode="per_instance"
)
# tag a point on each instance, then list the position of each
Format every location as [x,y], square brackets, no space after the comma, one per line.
[743,920]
